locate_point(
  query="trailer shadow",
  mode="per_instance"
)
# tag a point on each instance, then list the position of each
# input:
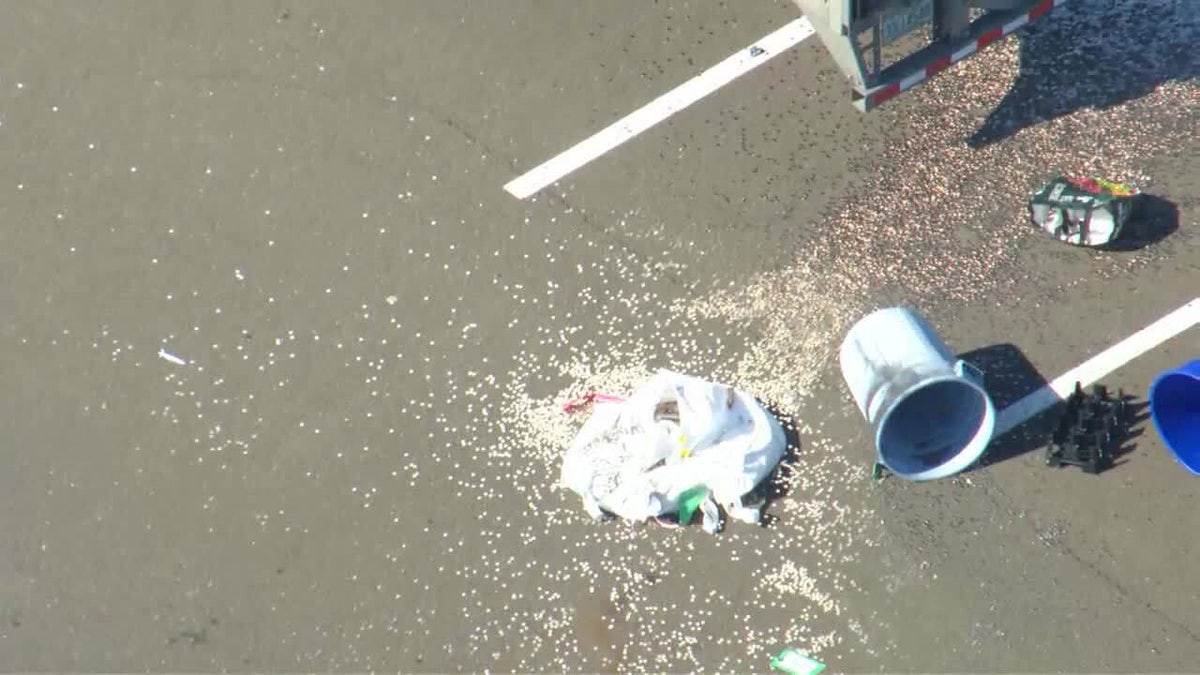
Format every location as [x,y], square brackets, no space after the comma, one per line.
[1095,54]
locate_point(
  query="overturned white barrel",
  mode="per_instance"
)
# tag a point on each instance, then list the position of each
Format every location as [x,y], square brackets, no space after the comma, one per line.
[931,415]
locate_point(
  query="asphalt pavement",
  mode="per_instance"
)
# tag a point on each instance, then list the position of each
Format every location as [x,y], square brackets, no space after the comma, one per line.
[284,360]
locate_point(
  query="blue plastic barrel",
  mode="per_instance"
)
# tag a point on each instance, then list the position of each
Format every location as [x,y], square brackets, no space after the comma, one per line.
[1175,409]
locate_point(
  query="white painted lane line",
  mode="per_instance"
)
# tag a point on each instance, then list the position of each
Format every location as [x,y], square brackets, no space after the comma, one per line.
[661,108]
[1099,365]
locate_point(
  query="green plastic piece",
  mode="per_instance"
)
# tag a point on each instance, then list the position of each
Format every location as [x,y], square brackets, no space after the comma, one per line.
[689,501]
[793,662]
[879,472]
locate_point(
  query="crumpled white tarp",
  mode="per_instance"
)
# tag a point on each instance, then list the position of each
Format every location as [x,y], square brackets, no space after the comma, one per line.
[674,434]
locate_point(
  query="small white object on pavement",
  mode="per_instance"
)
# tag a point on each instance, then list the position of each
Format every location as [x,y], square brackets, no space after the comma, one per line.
[168,356]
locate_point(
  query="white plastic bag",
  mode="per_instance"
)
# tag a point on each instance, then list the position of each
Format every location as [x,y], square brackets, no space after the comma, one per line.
[637,458]
[703,410]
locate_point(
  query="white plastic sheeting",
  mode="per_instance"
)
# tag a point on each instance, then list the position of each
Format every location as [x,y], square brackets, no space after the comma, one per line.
[674,437]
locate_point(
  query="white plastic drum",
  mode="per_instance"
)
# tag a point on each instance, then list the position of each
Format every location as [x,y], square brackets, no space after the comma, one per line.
[931,415]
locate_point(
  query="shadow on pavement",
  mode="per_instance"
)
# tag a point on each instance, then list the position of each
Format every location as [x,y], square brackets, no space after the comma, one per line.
[1096,54]
[1152,220]
[1135,426]
[776,486]
[1009,377]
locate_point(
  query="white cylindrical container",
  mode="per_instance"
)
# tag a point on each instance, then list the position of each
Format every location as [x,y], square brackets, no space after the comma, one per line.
[931,415]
